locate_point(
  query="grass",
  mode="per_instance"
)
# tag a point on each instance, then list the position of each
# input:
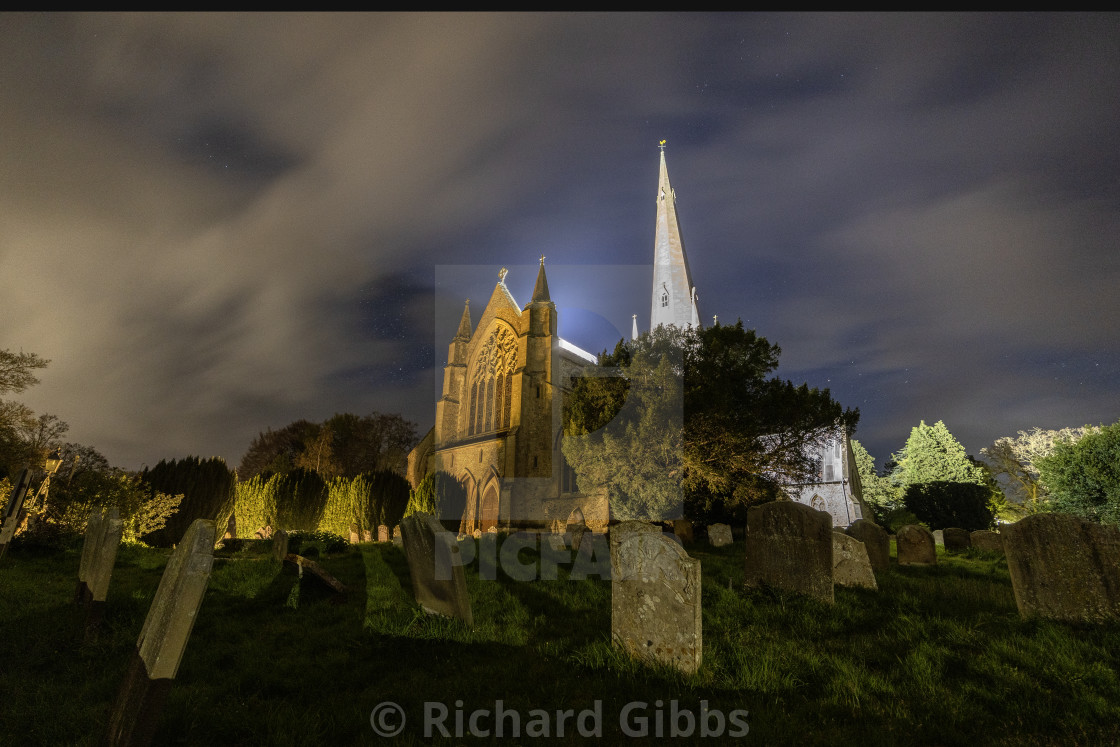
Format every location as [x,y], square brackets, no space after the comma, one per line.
[937,656]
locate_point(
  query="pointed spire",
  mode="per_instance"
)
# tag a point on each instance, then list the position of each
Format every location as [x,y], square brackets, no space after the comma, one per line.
[464,332]
[540,290]
[674,297]
[634,331]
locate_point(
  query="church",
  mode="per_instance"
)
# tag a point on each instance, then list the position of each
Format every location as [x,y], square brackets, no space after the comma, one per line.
[498,420]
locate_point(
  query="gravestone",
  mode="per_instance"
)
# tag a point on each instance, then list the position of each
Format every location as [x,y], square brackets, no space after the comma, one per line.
[280,545]
[1063,567]
[305,566]
[719,535]
[355,533]
[382,533]
[367,535]
[99,554]
[957,539]
[655,601]
[397,536]
[622,531]
[915,546]
[683,529]
[231,528]
[575,529]
[12,511]
[850,563]
[438,581]
[987,541]
[789,547]
[163,639]
[939,537]
[876,542]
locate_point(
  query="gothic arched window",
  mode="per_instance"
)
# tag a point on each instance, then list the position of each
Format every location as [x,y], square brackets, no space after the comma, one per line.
[664,298]
[491,387]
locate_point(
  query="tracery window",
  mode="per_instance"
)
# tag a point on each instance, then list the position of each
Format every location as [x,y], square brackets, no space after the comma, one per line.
[664,298]
[491,387]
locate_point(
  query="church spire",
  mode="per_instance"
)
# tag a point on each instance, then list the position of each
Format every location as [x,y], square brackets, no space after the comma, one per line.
[464,332]
[540,290]
[674,296]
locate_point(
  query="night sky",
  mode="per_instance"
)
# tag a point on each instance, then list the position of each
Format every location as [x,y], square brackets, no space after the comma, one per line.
[213,224]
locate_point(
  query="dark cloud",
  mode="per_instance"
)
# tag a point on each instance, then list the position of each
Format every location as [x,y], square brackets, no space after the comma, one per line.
[218,223]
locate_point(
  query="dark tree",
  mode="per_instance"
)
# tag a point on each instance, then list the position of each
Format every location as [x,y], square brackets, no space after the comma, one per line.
[207,486]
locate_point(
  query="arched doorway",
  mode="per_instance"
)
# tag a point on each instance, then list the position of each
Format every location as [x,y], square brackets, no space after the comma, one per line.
[488,509]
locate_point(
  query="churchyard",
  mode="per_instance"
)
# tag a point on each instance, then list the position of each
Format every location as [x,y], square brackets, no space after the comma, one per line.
[937,654]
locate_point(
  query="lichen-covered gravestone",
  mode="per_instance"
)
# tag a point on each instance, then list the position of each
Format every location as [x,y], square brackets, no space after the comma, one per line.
[355,533]
[939,537]
[1063,567]
[382,533]
[850,564]
[987,541]
[957,539]
[622,531]
[875,541]
[99,554]
[789,546]
[438,581]
[719,535]
[163,639]
[682,528]
[915,546]
[655,601]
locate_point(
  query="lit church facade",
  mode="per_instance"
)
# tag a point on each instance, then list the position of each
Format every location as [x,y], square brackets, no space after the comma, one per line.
[498,420]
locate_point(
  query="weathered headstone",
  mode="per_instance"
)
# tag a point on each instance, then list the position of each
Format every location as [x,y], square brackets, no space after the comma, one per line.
[915,546]
[620,532]
[99,554]
[575,528]
[163,639]
[280,545]
[876,542]
[1063,567]
[939,537]
[850,563]
[264,532]
[397,540]
[719,535]
[987,541]
[303,565]
[655,600]
[382,533]
[367,535]
[683,529]
[957,539]
[789,546]
[355,533]
[438,581]
[231,527]
[12,511]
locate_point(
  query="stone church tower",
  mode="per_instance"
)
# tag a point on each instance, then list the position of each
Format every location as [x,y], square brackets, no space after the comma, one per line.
[498,420]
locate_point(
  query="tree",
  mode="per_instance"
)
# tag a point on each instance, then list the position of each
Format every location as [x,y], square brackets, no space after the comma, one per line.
[878,492]
[1083,476]
[16,370]
[442,496]
[932,454]
[24,438]
[206,484]
[1014,462]
[942,504]
[696,412]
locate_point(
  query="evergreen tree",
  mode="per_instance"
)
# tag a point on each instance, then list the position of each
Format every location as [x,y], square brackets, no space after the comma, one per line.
[442,496]
[1083,477]
[207,487]
[878,492]
[932,454]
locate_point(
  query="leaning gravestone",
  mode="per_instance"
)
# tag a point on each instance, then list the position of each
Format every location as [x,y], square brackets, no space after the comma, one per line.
[163,639]
[438,581]
[987,541]
[1063,567]
[12,512]
[915,546]
[719,535]
[876,542]
[99,554]
[957,539]
[789,546]
[655,601]
[850,563]
[939,537]
[279,545]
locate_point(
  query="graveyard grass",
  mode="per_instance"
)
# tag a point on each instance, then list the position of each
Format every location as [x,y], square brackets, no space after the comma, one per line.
[938,656]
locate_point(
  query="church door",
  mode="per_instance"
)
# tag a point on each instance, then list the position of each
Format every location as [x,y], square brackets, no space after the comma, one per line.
[488,510]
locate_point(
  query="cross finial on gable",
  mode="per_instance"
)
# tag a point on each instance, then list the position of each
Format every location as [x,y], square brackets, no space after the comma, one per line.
[502,275]
[542,259]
